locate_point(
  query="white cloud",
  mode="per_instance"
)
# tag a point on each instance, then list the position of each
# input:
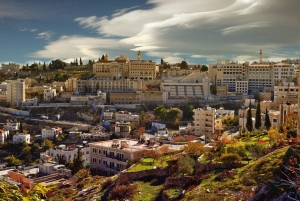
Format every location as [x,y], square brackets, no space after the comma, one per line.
[229,30]
[208,29]
[45,35]
[70,47]
[33,30]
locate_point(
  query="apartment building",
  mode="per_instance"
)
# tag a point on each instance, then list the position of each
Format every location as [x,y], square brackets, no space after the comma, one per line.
[69,153]
[15,91]
[11,126]
[111,156]
[259,76]
[49,93]
[21,137]
[204,122]
[287,92]
[3,95]
[122,129]
[127,117]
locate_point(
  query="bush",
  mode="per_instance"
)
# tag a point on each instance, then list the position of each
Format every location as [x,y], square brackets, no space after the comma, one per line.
[108,182]
[123,192]
[83,173]
[230,158]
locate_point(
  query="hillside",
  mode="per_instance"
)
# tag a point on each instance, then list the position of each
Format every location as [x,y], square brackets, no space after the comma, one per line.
[240,183]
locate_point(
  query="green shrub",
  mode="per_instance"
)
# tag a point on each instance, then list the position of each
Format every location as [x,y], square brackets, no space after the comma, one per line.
[230,158]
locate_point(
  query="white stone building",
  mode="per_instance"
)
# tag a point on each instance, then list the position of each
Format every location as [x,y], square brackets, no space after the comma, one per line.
[21,137]
[11,125]
[49,93]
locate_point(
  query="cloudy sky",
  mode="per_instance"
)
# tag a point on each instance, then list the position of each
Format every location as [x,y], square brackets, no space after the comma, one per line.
[200,31]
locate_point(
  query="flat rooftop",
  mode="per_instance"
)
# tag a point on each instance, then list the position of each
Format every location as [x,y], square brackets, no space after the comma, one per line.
[132,145]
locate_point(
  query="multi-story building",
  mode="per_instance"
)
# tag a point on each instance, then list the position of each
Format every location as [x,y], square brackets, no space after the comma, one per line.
[127,117]
[3,95]
[15,91]
[69,153]
[111,156]
[48,133]
[11,126]
[286,91]
[123,68]
[3,135]
[257,77]
[191,88]
[21,137]
[49,93]
[122,129]
[204,122]
[13,67]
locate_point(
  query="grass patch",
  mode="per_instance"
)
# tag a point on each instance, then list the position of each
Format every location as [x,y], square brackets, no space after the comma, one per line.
[148,164]
[147,191]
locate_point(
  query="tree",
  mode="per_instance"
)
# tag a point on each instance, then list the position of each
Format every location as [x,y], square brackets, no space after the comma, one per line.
[184,65]
[26,154]
[103,58]
[77,162]
[10,191]
[82,174]
[194,149]
[161,61]
[12,161]
[154,154]
[21,127]
[186,165]
[267,120]
[258,116]
[160,113]
[249,124]
[204,68]
[44,66]
[257,149]
[47,144]
[189,112]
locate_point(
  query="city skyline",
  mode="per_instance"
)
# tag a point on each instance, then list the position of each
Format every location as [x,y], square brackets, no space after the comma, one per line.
[199,31]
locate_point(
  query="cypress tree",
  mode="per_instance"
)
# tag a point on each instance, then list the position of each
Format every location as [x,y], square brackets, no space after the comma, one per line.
[21,127]
[258,117]
[249,124]
[267,121]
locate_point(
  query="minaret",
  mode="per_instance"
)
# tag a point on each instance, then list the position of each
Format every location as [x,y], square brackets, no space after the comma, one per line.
[260,56]
[139,55]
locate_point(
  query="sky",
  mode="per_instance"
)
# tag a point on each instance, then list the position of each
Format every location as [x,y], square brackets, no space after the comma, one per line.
[199,31]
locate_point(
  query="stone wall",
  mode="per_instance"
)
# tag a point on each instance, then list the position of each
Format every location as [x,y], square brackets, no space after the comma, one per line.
[14,111]
[178,181]
[127,177]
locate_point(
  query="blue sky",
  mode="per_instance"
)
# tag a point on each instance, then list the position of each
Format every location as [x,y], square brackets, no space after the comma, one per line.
[200,31]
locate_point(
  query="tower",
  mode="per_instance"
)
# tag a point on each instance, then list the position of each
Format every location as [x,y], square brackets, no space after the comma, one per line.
[139,55]
[106,57]
[260,56]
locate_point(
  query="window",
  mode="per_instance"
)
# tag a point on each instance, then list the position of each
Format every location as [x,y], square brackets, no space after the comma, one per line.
[94,160]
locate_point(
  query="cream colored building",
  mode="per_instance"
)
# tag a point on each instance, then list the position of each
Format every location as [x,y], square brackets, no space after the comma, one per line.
[123,68]
[287,91]
[111,156]
[127,117]
[14,67]
[261,76]
[3,95]
[204,122]
[48,133]
[15,91]
[190,88]
[123,129]
[241,87]
[49,93]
